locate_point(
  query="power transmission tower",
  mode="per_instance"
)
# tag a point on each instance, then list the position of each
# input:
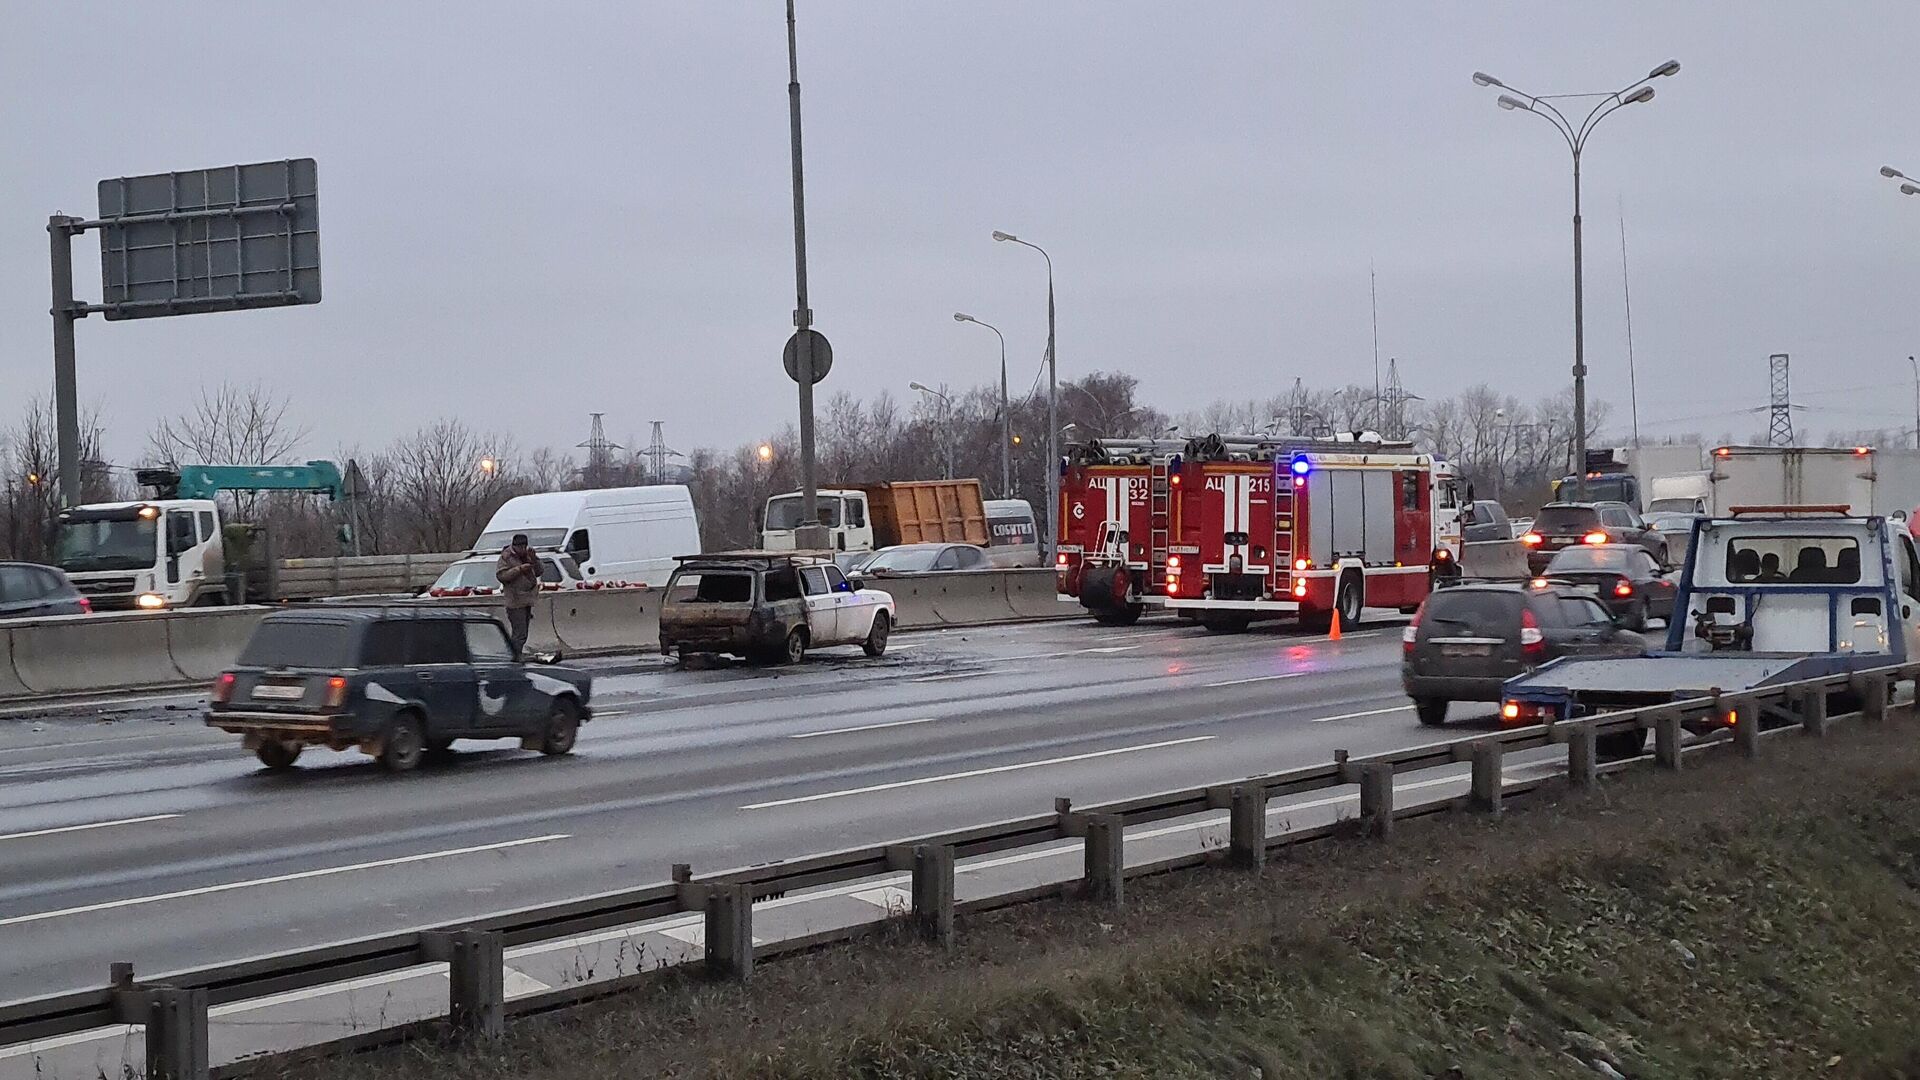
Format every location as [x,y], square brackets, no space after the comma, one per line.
[1396,403]
[599,467]
[1300,418]
[1780,426]
[657,454]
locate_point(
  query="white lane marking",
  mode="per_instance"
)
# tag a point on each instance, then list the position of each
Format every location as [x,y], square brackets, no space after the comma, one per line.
[911,645]
[1258,678]
[1104,650]
[1358,715]
[845,730]
[955,675]
[88,826]
[304,875]
[970,773]
[115,739]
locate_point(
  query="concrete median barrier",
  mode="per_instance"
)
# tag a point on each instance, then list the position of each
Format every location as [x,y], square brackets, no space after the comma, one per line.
[74,653]
[1035,594]
[605,620]
[10,684]
[969,598]
[203,643]
[1493,559]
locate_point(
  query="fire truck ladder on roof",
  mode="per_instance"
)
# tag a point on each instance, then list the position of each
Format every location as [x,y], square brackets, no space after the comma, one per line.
[1159,505]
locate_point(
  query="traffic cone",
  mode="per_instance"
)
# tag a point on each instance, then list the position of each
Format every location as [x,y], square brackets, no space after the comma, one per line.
[1333,628]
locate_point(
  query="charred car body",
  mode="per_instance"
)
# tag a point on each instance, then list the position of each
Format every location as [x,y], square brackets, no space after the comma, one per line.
[770,607]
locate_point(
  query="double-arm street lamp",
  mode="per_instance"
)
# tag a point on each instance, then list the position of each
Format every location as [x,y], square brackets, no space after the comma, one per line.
[945,425]
[1576,136]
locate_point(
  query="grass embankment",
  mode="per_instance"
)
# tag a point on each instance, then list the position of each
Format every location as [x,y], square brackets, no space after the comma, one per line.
[1738,921]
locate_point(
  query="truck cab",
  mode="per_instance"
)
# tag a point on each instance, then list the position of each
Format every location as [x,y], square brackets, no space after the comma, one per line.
[843,512]
[143,556]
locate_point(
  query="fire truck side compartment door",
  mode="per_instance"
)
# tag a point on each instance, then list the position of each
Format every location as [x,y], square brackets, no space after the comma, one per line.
[1381,499]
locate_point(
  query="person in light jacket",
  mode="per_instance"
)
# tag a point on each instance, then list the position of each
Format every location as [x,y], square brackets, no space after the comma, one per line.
[519,573]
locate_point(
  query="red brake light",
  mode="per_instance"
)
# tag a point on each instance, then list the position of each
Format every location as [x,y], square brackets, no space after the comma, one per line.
[1510,711]
[1625,588]
[1173,562]
[336,692]
[1532,642]
[1594,537]
[222,688]
[1533,539]
[86,606]
[1301,564]
[1060,559]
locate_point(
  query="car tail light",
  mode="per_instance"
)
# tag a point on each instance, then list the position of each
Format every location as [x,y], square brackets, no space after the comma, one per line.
[1173,562]
[336,693]
[1510,711]
[1526,712]
[1532,642]
[1533,539]
[1594,537]
[1299,589]
[1625,588]
[1060,559]
[86,606]
[1302,564]
[222,688]
[1412,631]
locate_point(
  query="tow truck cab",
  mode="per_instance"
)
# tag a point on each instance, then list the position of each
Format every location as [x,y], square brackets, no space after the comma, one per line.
[146,556]
[1769,595]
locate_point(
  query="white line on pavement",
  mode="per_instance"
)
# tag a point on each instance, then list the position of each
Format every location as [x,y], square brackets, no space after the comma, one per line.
[953,676]
[1258,678]
[304,875]
[52,706]
[1358,715]
[970,773]
[86,827]
[170,734]
[845,730]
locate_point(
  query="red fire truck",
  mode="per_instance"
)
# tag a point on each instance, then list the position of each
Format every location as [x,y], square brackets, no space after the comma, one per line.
[1233,529]
[1107,505]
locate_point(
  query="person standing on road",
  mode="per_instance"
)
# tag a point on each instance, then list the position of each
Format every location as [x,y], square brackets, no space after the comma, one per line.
[519,575]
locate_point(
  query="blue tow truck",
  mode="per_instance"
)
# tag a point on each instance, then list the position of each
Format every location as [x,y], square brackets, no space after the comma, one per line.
[1769,595]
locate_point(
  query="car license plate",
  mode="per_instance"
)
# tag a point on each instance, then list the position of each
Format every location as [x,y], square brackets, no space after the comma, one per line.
[275,692]
[1466,650]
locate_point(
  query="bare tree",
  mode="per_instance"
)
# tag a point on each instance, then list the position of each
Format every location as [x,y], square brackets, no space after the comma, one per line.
[437,490]
[30,457]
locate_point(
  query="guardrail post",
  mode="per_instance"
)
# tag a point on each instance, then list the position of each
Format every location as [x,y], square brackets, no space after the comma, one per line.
[476,980]
[1247,827]
[1106,868]
[1874,692]
[730,931]
[1582,756]
[1746,723]
[933,892]
[1666,740]
[1813,711]
[1487,762]
[1376,799]
[176,1021]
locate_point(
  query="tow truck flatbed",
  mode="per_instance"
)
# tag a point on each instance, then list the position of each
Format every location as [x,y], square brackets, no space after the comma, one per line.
[1663,676]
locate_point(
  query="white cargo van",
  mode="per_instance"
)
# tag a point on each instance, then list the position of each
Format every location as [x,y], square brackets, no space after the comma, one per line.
[1013,535]
[628,534]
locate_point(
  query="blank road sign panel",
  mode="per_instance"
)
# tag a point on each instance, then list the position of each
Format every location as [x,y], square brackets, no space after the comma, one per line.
[241,236]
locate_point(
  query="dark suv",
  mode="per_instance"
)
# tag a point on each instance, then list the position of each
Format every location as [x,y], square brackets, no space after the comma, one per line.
[1468,640]
[394,682]
[1560,525]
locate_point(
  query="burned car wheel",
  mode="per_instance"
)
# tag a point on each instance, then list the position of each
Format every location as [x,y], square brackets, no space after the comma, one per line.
[278,755]
[795,649]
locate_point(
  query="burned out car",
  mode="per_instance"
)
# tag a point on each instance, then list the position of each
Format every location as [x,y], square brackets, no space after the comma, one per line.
[394,682]
[769,607]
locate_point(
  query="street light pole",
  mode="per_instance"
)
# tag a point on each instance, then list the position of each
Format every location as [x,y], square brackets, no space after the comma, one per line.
[1006,410]
[1053,405]
[946,425]
[1915,364]
[810,534]
[1576,136]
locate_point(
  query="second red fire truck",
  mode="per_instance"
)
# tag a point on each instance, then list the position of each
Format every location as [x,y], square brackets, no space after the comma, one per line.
[1228,530]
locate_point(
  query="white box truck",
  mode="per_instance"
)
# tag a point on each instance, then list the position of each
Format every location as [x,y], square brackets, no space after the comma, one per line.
[1794,476]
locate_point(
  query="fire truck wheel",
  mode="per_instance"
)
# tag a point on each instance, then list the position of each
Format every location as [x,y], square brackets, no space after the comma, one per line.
[1350,600]
[1124,615]
[1228,623]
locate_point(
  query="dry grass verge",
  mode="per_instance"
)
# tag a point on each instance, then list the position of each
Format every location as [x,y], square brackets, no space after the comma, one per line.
[1738,921]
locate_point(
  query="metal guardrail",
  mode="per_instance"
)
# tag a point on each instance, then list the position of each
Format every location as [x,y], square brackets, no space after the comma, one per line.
[173,1006]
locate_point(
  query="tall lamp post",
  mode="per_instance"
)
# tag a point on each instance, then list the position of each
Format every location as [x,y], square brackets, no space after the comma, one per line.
[1053,405]
[1576,136]
[1006,411]
[1906,182]
[946,425]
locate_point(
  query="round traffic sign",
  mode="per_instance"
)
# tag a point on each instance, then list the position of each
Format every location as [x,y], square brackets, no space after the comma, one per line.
[822,355]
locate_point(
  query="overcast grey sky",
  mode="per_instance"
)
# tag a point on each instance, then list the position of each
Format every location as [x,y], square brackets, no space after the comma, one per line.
[531,211]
